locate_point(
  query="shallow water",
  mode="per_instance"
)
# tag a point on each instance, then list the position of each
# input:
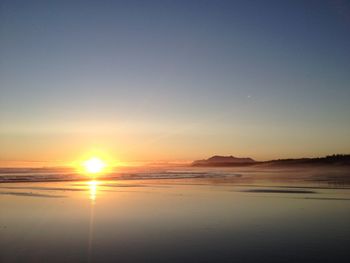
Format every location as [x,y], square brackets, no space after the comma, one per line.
[224,216]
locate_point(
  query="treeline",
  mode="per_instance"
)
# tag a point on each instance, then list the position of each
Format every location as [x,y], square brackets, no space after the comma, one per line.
[335,159]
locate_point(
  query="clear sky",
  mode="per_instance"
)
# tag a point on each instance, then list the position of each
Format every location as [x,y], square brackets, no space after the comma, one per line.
[173,80]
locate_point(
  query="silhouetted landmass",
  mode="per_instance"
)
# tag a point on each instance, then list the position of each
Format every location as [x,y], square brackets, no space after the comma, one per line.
[228,161]
[217,160]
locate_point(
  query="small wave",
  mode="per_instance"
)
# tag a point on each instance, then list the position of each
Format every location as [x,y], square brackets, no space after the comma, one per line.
[29,175]
[280,191]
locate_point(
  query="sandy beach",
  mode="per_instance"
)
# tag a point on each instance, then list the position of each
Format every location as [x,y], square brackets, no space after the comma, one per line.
[225,216]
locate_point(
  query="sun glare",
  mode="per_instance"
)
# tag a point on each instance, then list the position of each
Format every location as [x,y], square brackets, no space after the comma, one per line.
[94,165]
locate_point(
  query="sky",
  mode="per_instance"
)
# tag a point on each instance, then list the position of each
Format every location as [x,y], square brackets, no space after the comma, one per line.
[173,80]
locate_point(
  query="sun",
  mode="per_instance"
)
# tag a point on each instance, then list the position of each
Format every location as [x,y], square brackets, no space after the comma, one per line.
[94,165]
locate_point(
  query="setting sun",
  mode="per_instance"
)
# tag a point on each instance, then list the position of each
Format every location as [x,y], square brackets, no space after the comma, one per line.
[94,165]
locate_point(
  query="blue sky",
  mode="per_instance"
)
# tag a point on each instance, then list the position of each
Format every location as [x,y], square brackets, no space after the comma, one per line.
[186,78]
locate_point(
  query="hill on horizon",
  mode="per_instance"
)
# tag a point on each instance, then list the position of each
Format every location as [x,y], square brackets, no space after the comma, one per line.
[218,160]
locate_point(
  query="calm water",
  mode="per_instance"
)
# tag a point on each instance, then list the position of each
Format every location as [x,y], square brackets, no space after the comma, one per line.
[208,215]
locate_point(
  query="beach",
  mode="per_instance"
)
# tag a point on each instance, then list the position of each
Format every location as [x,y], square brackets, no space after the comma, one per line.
[179,215]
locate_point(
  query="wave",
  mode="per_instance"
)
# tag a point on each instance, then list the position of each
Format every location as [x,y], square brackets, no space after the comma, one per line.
[8,175]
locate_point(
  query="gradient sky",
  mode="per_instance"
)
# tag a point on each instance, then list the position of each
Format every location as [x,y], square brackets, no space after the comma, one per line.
[173,80]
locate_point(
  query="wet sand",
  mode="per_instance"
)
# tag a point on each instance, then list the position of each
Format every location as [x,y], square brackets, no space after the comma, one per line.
[247,218]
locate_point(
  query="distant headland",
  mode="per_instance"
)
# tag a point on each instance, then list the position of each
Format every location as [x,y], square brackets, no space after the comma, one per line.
[228,161]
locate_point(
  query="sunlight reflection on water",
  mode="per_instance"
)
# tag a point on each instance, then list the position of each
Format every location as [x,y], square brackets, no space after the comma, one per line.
[93,187]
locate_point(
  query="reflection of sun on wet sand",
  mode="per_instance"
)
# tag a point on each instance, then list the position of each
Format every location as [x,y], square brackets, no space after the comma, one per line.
[93,189]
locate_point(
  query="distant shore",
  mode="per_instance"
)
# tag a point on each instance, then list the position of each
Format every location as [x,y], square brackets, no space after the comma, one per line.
[231,161]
